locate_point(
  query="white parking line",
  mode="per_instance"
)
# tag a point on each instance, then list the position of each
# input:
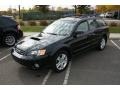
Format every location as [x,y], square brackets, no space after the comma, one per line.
[9,48]
[46,77]
[67,74]
[4,57]
[115,44]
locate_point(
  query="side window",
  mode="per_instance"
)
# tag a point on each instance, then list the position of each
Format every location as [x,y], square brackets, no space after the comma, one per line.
[92,24]
[83,26]
[1,23]
[101,22]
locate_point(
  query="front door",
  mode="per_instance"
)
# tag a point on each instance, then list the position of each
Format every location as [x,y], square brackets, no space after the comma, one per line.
[80,41]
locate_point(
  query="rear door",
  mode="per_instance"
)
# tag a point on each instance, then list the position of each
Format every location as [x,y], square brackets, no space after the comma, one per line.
[92,35]
[102,29]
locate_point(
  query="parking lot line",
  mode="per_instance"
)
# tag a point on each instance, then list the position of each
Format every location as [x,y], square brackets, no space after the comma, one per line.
[115,44]
[9,48]
[4,57]
[46,77]
[67,74]
[6,50]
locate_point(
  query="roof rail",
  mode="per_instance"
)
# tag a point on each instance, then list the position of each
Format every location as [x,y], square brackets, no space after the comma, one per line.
[86,15]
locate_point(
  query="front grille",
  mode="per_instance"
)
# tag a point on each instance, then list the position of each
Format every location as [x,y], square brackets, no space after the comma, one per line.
[19,51]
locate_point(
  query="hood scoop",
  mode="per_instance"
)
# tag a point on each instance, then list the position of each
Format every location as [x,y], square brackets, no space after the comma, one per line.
[35,38]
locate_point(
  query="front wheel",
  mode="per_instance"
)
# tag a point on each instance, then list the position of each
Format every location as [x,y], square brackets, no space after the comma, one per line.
[102,44]
[61,60]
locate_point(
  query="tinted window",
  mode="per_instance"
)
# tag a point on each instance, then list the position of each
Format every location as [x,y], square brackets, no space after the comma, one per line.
[83,27]
[6,21]
[101,22]
[92,24]
[1,22]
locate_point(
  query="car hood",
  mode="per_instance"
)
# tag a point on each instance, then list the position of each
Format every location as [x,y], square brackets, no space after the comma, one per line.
[38,41]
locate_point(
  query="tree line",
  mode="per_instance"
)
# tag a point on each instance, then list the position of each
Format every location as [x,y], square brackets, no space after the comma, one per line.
[107,8]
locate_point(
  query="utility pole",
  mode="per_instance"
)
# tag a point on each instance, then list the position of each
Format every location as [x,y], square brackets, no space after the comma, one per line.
[75,9]
[19,12]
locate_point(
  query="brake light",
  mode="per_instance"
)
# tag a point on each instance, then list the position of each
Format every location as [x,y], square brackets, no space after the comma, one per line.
[18,26]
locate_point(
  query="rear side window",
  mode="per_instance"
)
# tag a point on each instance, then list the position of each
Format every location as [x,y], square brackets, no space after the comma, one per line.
[83,26]
[101,22]
[1,22]
[92,24]
[6,22]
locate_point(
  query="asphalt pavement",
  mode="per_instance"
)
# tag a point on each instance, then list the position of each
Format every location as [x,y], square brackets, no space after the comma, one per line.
[90,68]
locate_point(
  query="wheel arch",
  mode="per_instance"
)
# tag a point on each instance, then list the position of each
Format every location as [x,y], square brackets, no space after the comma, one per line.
[105,36]
[10,32]
[66,48]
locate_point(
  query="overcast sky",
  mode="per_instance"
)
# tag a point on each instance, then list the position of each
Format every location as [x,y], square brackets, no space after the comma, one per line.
[5,4]
[5,7]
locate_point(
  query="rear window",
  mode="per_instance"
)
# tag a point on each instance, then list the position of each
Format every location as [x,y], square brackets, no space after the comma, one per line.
[101,22]
[6,22]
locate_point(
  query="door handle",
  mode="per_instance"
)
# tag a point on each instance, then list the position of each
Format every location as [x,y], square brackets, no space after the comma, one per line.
[92,34]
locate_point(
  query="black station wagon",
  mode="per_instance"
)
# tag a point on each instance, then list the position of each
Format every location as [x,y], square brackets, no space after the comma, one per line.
[60,41]
[10,31]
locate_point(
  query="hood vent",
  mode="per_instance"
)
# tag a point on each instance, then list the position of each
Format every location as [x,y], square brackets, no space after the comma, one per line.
[35,38]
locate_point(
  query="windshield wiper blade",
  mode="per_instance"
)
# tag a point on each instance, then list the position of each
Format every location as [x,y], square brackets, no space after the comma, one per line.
[52,33]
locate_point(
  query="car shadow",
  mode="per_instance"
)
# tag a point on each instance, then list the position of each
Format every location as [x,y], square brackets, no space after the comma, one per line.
[35,77]
[80,57]
[32,77]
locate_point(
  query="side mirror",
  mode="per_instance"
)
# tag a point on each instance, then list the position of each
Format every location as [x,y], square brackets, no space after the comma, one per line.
[77,33]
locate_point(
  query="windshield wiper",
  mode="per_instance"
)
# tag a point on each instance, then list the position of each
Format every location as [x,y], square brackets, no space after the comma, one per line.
[52,33]
[57,34]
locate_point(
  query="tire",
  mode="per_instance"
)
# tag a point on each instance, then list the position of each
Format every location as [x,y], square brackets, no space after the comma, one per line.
[9,40]
[102,44]
[60,61]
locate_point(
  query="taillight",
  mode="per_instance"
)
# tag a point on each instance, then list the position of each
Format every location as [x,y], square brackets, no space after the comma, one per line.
[18,26]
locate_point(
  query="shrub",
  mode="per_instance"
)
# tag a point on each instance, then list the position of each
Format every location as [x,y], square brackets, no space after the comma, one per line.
[21,23]
[32,23]
[113,24]
[43,23]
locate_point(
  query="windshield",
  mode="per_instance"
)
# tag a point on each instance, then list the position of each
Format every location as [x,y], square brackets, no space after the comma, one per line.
[60,28]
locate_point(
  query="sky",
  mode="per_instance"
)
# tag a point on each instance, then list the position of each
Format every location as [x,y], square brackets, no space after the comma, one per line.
[5,4]
[5,7]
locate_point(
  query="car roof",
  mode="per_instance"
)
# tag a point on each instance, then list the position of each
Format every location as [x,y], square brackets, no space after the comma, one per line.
[6,21]
[78,18]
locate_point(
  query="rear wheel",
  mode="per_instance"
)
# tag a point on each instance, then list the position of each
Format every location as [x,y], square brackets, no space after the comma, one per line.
[61,60]
[102,43]
[9,39]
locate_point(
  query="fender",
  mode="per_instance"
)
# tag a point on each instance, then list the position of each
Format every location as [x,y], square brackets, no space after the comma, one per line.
[9,30]
[59,47]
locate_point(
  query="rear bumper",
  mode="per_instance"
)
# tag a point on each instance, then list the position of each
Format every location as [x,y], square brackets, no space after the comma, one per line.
[20,34]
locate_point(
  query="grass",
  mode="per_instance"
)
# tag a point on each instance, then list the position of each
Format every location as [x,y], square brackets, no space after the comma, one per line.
[40,28]
[32,28]
[115,29]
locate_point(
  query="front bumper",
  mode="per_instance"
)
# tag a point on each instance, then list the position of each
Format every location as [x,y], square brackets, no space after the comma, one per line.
[30,60]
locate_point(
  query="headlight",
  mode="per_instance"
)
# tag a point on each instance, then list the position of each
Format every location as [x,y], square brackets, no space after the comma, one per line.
[40,52]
